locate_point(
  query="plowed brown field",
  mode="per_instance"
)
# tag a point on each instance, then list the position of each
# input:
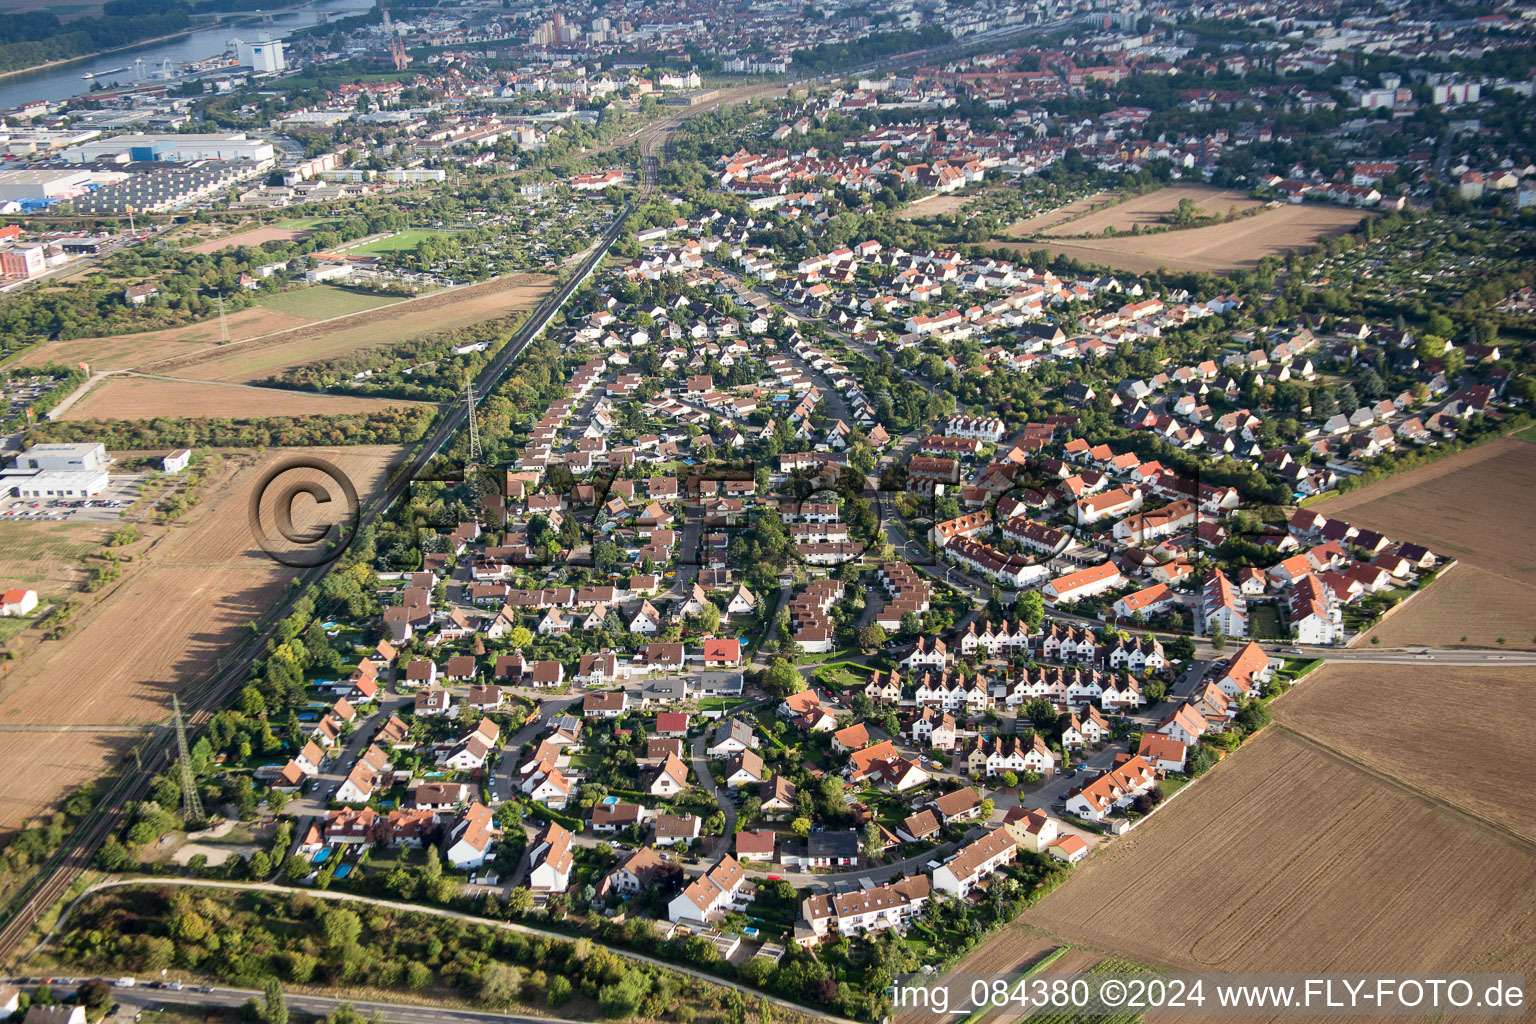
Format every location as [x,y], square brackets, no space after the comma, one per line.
[374,328]
[1219,248]
[180,608]
[1486,714]
[1148,210]
[1286,857]
[255,236]
[137,398]
[1475,506]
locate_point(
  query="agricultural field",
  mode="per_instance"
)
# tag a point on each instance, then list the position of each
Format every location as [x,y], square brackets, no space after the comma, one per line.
[441,311]
[1051,218]
[1469,606]
[141,398]
[122,351]
[1306,860]
[252,237]
[179,609]
[1473,506]
[938,205]
[44,768]
[1482,709]
[323,301]
[1148,211]
[274,340]
[46,556]
[1219,248]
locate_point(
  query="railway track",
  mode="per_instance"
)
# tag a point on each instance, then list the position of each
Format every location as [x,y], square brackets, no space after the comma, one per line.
[55,877]
[204,698]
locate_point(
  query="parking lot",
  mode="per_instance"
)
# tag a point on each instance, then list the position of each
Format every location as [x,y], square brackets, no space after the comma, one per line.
[122,491]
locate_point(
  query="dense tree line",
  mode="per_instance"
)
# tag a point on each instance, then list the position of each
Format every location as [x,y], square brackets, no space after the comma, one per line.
[401,425]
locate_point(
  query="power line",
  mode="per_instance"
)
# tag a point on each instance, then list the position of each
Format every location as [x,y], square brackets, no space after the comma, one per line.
[191,803]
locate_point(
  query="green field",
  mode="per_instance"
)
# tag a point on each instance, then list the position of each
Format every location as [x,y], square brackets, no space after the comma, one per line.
[301,223]
[323,301]
[403,241]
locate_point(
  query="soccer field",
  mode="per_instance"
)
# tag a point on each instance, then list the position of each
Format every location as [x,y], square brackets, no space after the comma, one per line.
[403,241]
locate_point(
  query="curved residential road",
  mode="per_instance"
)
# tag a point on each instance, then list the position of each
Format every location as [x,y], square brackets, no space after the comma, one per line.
[412,908]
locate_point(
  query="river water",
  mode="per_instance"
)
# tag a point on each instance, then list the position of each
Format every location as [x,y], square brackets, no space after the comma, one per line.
[64,81]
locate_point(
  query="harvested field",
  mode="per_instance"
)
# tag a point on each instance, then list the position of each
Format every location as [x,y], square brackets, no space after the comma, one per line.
[1474,506]
[179,609]
[124,350]
[373,328]
[255,236]
[937,206]
[1219,248]
[1483,709]
[1040,221]
[323,301]
[140,398]
[46,556]
[1304,862]
[1148,210]
[1466,607]
[43,768]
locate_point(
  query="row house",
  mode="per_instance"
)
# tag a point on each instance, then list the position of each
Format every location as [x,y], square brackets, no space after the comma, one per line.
[863,910]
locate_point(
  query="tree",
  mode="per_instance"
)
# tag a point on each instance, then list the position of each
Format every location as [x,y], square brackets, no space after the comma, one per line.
[801,827]
[520,637]
[1218,640]
[1031,608]
[1010,779]
[276,1011]
[499,984]
[873,842]
[341,928]
[871,638]
[520,900]
[782,679]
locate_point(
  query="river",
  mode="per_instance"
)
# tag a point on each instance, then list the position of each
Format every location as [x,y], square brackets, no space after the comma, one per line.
[63,81]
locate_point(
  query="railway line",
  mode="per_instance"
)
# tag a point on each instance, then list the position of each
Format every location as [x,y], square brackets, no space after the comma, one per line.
[53,880]
[204,698]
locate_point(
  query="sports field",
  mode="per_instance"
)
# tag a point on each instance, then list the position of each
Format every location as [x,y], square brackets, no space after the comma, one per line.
[403,241]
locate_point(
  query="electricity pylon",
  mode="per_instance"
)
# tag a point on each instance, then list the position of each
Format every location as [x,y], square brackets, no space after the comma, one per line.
[191,803]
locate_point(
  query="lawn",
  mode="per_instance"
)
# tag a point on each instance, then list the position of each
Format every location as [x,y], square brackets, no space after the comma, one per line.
[721,703]
[843,675]
[1265,618]
[402,241]
[323,301]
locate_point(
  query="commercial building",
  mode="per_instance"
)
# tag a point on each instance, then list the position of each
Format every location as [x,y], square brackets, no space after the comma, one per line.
[265,56]
[139,147]
[58,471]
[43,183]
